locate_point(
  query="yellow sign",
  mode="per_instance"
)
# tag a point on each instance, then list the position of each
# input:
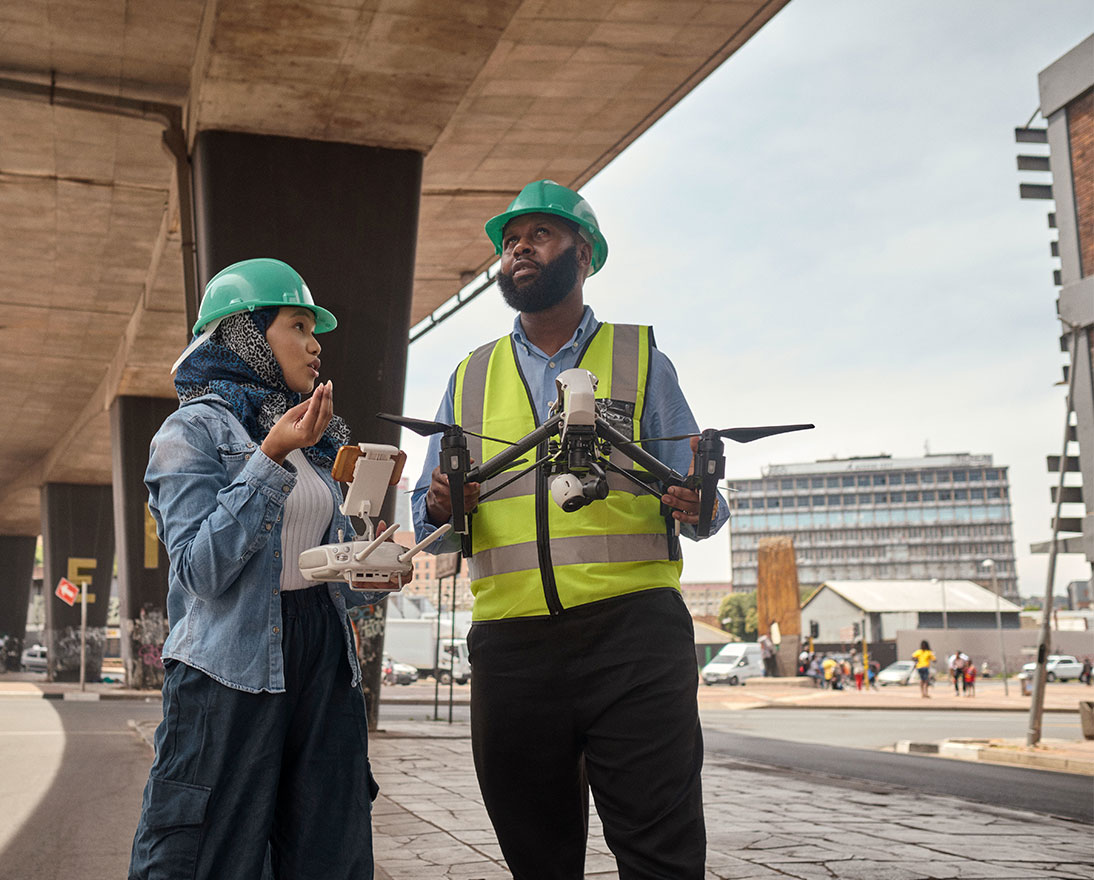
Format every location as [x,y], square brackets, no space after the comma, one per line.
[80,569]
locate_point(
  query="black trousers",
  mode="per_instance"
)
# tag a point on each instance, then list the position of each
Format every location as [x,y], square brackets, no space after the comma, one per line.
[602,696]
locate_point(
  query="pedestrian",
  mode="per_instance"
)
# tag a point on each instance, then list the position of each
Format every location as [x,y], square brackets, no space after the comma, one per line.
[969,686]
[1085,671]
[767,655]
[261,765]
[957,661]
[815,671]
[871,674]
[923,658]
[858,670]
[830,667]
[585,640]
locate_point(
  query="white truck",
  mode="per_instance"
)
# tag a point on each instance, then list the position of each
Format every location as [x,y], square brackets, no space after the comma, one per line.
[415,642]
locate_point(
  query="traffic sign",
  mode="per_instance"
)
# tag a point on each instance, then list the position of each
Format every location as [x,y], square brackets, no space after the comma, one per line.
[67,591]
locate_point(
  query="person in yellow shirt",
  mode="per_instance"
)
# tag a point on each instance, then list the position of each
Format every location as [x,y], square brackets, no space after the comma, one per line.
[924,657]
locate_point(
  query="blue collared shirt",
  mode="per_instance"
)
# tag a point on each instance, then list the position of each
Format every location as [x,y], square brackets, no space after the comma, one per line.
[666,414]
[217,500]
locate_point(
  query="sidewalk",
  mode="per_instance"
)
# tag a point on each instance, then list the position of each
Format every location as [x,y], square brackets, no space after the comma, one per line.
[762,824]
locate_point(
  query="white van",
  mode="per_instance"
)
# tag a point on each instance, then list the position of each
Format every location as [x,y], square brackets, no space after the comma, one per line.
[734,663]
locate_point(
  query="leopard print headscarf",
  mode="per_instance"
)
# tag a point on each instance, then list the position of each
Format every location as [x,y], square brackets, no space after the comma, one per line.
[237,364]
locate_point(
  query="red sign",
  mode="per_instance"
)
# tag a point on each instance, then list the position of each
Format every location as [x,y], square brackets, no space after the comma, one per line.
[67,591]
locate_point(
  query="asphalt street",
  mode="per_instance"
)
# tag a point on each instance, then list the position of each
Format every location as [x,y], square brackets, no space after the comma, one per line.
[1037,791]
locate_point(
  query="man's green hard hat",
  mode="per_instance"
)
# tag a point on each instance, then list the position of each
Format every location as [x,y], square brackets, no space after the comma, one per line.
[255,284]
[548,197]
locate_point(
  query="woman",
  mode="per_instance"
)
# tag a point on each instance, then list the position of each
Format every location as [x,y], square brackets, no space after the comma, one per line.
[924,657]
[262,757]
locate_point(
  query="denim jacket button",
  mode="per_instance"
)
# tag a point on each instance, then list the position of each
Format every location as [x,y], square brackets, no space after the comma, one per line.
[247,456]
[286,488]
[277,629]
[269,526]
[276,591]
[277,554]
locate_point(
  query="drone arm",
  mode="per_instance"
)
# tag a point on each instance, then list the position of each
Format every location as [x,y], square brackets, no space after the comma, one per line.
[639,455]
[506,457]
[645,487]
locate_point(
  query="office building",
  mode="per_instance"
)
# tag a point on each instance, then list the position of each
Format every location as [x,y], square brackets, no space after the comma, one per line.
[879,518]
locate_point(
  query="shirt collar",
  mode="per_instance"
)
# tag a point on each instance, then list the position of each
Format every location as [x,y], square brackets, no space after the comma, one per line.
[587,324]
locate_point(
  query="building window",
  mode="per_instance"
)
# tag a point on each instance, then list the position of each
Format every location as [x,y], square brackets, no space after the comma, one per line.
[818,482]
[772,502]
[896,497]
[787,484]
[879,479]
[818,501]
[927,477]
[832,482]
[911,496]
[975,476]
[881,498]
[960,476]
[960,494]
[864,479]
[911,479]
[928,495]
[848,481]
[945,495]
[976,494]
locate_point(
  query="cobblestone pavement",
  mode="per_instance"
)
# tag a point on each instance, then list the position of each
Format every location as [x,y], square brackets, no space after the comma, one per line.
[761,823]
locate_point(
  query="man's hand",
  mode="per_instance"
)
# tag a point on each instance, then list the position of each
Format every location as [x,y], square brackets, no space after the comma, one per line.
[301,426]
[685,502]
[438,500]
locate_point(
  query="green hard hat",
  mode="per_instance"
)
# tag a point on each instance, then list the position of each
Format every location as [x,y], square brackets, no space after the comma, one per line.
[548,197]
[256,284]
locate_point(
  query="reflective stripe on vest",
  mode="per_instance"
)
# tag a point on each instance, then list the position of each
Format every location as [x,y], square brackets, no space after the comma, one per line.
[612,547]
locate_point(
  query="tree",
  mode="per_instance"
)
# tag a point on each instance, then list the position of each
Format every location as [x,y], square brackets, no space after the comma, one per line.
[738,616]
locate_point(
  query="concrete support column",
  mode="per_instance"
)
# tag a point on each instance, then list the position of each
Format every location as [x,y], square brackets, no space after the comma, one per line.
[77,544]
[16,571]
[345,217]
[142,559]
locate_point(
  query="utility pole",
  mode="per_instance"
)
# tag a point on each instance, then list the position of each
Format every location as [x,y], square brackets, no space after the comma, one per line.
[990,564]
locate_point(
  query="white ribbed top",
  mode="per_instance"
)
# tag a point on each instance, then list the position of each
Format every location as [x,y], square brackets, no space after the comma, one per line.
[304,521]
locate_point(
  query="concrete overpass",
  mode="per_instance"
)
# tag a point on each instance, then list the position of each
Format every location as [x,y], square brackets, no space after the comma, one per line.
[144,144]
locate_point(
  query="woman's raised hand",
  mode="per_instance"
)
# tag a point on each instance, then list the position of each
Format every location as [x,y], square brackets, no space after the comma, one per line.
[302,425]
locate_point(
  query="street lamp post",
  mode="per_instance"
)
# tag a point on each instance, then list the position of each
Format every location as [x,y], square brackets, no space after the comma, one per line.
[942,583]
[990,564]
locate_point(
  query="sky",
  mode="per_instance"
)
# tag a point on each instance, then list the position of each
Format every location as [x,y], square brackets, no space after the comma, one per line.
[828,230]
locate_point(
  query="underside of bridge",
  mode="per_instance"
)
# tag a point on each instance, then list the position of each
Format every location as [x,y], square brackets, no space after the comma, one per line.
[101,102]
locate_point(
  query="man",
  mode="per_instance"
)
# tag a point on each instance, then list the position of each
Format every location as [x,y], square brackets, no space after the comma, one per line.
[767,655]
[583,658]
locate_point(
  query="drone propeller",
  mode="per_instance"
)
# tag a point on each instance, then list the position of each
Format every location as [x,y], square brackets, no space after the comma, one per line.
[425,428]
[710,463]
[741,435]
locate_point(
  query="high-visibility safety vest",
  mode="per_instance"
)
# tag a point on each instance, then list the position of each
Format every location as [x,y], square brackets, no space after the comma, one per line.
[529,557]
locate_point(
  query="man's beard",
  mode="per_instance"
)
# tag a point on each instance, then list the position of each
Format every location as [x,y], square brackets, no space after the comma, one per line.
[555,280]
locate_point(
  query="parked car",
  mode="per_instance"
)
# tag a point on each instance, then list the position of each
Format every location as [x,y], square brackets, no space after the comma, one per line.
[734,663]
[901,672]
[1058,666]
[34,659]
[395,672]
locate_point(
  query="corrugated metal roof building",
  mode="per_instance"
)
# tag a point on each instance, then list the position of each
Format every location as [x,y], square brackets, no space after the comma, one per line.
[888,606]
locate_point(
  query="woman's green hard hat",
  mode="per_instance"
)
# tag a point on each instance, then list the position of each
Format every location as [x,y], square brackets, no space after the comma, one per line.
[548,197]
[255,284]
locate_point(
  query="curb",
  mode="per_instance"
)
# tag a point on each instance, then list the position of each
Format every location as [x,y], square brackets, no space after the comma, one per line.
[997,753]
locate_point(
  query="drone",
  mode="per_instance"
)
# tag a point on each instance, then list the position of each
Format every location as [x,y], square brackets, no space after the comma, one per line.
[573,446]
[372,562]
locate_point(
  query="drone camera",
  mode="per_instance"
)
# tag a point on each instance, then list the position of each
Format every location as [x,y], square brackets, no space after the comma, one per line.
[572,493]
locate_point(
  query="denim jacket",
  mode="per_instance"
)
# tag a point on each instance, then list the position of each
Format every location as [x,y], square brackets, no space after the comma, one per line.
[217,500]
